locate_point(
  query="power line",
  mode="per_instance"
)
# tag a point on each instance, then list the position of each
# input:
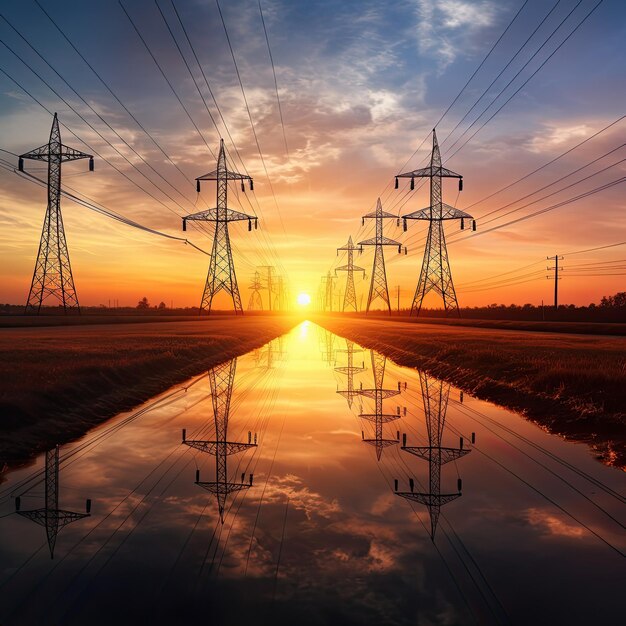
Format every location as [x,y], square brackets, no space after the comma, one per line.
[280,110]
[486,90]
[103,210]
[519,180]
[525,82]
[108,88]
[245,99]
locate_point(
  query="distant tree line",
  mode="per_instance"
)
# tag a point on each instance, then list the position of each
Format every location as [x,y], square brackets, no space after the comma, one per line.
[610,309]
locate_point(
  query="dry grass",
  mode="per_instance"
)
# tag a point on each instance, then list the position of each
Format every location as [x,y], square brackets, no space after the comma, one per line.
[57,382]
[571,384]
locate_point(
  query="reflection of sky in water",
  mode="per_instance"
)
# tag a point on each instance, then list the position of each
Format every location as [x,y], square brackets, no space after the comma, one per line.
[351,552]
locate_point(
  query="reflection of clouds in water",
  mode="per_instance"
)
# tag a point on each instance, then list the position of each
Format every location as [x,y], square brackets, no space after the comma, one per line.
[549,523]
[300,497]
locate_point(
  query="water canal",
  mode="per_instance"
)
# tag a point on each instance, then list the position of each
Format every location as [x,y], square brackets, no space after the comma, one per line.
[281,506]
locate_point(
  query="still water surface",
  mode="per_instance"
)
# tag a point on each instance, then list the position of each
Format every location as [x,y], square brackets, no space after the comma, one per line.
[518,527]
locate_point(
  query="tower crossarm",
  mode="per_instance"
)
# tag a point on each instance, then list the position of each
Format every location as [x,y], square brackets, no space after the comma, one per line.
[447,213]
[222,215]
[381,443]
[447,454]
[65,152]
[427,172]
[378,393]
[44,516]
[380,214]
[352,369]
[429,499]
[225,447]
[347,268]
[382,417]
[227,174]
[218,488]
[381,241]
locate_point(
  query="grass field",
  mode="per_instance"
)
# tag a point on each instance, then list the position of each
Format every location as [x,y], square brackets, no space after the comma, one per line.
[57,382]
[570,384]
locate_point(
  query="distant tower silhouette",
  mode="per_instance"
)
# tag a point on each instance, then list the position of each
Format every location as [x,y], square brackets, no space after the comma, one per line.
[350,370]
[349,298]
[435,273]
[53,272]
[435,395]
[272,351]
[329,291]
[221,379]
[50,516]
[378,286]
[328,346]
[378,394]
[256,302]
[221,274]
[269,284]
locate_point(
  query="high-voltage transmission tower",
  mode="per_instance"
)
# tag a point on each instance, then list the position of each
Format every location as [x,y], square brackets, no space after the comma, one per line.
[256,302]
[328,288]
[53,272]
[327,346]
[435,395]
[51,516]
[378,285]
[272,351]
[349,393]
[221,274]
[269,284]
[221,379]
[379,394]
[435,273]
[349,298]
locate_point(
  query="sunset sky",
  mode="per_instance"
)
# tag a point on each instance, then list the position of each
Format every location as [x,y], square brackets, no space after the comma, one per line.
[361,84]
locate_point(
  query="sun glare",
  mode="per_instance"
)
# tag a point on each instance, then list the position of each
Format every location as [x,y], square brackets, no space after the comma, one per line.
[304,299]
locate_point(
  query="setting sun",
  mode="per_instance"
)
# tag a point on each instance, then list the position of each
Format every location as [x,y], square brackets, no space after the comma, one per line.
[304,299]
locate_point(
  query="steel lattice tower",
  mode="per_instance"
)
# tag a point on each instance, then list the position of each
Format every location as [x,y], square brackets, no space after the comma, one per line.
[435,395]
[379,394]
[329,290]
[221,379]
[270,353]
[328,346]
[270,284]
[53,272]
[221,274]
[350,370]
[256,302]
[349,298]
[50,516]
[378,285]
[435,273]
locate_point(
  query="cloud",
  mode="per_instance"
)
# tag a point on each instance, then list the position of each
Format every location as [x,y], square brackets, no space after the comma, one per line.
[444,27]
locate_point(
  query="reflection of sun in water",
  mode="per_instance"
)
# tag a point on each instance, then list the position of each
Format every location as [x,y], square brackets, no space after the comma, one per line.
[304,299]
